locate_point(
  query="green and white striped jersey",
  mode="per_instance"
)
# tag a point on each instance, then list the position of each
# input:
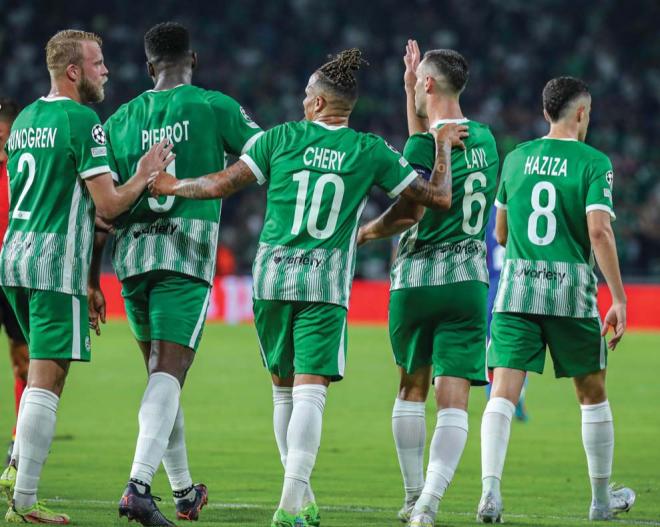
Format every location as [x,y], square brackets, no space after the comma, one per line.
[547,188]
[55,143]
[446,247]
[169,233]
[318,179]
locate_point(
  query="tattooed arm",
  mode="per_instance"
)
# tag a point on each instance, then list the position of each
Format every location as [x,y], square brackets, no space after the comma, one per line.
[212,186]
[435,193]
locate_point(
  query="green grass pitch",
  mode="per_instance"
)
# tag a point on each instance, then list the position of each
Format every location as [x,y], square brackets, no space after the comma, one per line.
[227,401]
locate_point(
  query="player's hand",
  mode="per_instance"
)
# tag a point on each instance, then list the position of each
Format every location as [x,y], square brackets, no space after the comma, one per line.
[452,132]
[615,319]
[361,237]
[162,184]
[103,225]
[96,307]
[411,60]
[156,159]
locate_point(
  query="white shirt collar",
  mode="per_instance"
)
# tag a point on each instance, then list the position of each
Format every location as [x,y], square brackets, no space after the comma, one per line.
[559,138]
[445,121]
[167,89]
[329,126]
[56,98]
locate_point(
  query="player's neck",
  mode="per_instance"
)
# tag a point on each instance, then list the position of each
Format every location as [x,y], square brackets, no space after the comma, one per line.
[166,80]
[64,90]
[332,120]
[443,108]
[562,131]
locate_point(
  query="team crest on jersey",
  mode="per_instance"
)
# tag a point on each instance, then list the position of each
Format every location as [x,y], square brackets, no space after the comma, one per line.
[98,134]
[610,178]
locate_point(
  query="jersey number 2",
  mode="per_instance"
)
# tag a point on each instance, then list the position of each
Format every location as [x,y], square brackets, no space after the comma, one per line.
[25,159]
[302,178]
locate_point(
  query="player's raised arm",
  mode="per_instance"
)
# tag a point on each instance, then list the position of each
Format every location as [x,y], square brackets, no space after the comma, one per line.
[604,247]
[411,59]
[212,186]
[111,201]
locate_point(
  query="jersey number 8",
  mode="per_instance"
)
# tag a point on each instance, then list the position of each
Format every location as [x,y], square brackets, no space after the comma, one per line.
[545,211]
[154,203]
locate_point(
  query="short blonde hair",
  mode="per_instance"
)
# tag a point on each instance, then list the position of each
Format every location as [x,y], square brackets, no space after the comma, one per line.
[65,48]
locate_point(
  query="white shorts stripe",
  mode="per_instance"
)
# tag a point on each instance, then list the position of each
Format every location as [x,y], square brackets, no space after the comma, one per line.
[341,353]
[200,320]
[75,344]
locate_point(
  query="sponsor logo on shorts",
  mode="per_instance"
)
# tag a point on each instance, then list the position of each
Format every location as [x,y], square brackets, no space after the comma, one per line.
[88,343]
[298,260]
[540,274]
[156,228]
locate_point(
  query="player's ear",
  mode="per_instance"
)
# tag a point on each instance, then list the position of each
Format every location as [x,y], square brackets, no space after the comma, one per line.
[547,117]
[319,104]
[72,72]
[151,70]
[428,84]
[580,114]
[193,64]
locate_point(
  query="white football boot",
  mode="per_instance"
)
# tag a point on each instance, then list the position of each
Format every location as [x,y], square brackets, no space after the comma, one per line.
[423,518]
[621,500]
[490,509]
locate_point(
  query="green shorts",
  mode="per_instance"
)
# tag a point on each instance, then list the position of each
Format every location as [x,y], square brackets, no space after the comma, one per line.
[55,325]
[443,325]
[165,305]
[302,337]
[519,341]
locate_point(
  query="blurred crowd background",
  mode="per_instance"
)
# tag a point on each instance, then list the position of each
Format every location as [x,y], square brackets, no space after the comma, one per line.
[262,53]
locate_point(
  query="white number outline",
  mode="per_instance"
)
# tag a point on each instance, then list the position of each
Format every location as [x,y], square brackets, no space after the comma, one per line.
[542,211]
[302,178]
[32,168]
[471,197]
[153,203]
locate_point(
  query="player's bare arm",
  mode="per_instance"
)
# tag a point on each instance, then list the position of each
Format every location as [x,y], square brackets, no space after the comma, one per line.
[95,297]
[411,60]
[436,193]
[111,201]
[501,227]
[212,186]
[399,217]
[604,247]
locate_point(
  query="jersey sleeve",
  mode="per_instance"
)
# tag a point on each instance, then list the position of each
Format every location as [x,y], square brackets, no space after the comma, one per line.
[259,155]
[599,193]
[88,141]
[500,197]
[238,130]
[393,171]
[112,161]
[420,150]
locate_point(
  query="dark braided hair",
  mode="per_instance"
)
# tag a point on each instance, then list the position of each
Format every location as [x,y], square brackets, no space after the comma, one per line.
[337,74]
[560,92]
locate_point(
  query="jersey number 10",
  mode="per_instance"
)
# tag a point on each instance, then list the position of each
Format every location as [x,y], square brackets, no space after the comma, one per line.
[302,178]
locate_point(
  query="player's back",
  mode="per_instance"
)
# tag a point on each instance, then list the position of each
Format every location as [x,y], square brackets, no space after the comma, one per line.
[54,144]
[547,187]
[319,177]
[167,232]
[449,246]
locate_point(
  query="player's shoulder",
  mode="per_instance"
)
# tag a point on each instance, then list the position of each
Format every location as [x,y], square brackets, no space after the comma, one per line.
[120,114]
[215,98]
[592,153]
[374,143]
[77,110]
